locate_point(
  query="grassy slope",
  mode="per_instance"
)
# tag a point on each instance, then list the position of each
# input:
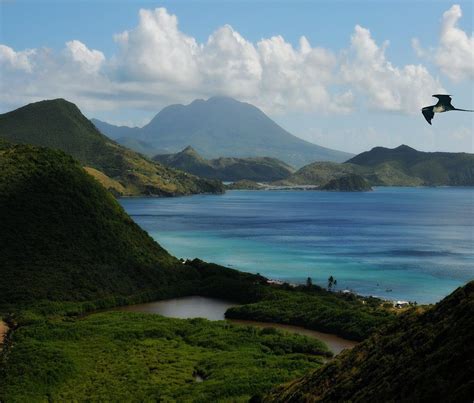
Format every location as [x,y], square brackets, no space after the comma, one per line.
[227,169]
[114,186]
[142,357]
[60,125]
[426,357]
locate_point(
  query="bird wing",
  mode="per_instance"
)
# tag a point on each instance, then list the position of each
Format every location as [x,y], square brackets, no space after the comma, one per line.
[443,99]
[428,114]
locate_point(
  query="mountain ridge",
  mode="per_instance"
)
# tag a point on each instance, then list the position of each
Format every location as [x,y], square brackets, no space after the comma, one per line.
[227,168]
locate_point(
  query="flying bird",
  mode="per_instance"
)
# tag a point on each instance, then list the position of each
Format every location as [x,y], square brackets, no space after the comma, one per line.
[443,105]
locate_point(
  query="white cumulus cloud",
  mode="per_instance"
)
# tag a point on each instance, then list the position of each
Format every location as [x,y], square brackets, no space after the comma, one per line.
[386,86]
[89,60]
[454,54]
[9,59]
[156,50]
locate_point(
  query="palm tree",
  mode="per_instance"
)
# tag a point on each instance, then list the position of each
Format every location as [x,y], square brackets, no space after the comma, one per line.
[330,282]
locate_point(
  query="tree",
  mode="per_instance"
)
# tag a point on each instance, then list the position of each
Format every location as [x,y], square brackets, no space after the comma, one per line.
[309,282]
[330,282]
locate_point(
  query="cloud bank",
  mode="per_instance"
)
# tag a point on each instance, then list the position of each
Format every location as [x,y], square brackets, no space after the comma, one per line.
[156,64]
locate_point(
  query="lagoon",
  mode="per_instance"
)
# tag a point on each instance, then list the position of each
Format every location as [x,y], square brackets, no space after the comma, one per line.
[214,309]
[397,243]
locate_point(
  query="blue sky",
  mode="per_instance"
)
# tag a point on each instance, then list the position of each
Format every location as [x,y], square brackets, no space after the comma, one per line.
[330,96]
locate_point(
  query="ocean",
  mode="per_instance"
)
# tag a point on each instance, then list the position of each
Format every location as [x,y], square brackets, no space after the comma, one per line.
[412,244]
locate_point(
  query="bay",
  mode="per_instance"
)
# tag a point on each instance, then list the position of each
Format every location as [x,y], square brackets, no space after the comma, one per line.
[397,243]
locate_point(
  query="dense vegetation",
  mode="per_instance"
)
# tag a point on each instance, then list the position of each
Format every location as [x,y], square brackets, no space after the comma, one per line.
[420,357]
[59,124]
[227,169]
[141,357]
[65,237]
[401,166]
[349,316]
[222,126]
[348,183]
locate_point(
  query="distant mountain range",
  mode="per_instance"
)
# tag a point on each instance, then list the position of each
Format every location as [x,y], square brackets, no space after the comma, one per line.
[59,124]
[227,168]
[401,166]
[220,127]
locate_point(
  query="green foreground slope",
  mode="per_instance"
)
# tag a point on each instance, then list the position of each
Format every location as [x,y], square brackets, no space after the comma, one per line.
[64,236]
[59,124]
[425,357]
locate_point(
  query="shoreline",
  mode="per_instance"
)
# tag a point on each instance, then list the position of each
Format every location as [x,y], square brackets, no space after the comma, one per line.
[278,282]
[336,344]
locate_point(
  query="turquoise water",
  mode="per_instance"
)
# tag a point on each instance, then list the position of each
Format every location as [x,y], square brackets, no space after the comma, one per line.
[416,242]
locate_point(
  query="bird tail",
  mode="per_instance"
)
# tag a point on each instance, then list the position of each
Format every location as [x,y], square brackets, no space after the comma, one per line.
[464,110]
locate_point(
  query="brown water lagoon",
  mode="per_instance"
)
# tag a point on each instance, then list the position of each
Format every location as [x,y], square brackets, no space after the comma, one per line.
[183,308]
[214,309]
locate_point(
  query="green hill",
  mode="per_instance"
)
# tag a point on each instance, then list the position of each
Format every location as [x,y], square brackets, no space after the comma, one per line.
[68,238]
[420,357]
[347,183]
[320,173]
[226,168]
[222,126]
[432,169]
[60,125]
[401,166]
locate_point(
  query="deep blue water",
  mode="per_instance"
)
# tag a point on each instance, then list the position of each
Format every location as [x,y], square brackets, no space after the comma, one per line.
[417,242]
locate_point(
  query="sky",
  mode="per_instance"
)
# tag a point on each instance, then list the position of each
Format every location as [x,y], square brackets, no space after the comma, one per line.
[348,75]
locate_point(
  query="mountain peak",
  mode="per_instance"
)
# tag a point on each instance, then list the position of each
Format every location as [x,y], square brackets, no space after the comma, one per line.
[222,126]
[404,147]
[189,150]
[222,98]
